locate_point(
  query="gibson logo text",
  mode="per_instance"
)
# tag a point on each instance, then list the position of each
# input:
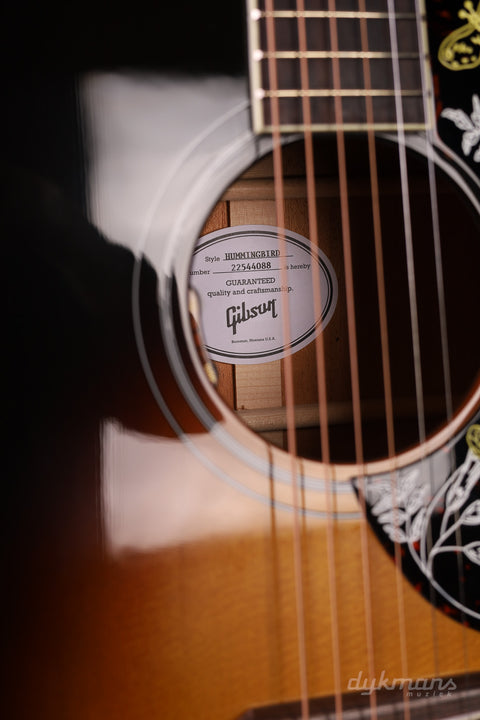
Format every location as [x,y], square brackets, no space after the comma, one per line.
[237,314]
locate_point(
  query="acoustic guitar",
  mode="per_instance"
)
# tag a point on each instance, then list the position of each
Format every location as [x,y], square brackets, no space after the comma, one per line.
[258,411]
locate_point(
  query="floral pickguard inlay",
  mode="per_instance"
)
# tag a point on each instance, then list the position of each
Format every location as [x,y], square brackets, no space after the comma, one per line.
[433,511]
[469,125]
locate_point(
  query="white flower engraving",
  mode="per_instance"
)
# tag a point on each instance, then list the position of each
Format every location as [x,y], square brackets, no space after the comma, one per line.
[470,126]
[472,551]
[404,507]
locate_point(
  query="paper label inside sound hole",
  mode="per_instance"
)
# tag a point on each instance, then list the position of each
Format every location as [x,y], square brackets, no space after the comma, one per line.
[237,274]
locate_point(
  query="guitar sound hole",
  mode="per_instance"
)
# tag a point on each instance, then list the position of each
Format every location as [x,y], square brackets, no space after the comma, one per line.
[256,392]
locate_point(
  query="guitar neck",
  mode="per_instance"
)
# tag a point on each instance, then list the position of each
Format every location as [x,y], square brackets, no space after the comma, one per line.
[358,69]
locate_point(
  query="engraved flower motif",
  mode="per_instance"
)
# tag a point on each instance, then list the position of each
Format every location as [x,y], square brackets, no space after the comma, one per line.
[469,125]
[472,551]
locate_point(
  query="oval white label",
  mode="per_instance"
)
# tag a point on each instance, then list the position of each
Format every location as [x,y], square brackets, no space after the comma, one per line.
[237,274]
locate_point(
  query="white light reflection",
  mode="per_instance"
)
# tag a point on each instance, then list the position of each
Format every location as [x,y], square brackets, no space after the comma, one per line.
[136,127]
[156,493]
[136,130]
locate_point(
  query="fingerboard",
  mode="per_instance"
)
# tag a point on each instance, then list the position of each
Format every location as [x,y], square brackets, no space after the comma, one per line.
[363,66]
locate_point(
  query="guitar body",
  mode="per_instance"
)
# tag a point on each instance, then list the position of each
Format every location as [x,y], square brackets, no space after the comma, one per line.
[158,560]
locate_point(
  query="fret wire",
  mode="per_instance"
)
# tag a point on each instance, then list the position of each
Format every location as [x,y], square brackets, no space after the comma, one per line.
[327,55]
[348,127]
[341,14]
[258,118]
[262,93]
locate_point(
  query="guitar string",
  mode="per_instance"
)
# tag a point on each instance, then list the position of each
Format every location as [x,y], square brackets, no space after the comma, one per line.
[418,381]
[441,304]
[382,318]
[287,364]
[441,300]
[407,224]
[352,333]
[320,354]
[383,323]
